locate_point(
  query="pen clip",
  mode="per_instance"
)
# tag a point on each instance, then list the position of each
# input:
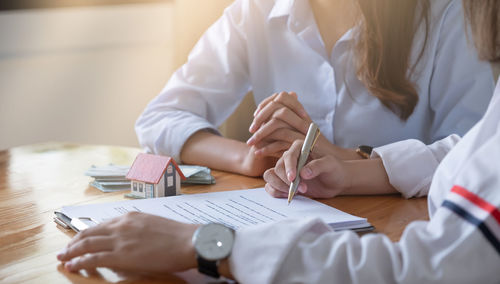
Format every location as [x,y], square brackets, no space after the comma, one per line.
[316,136]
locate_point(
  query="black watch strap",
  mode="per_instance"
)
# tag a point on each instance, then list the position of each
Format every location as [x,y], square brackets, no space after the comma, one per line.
[207,267]
[364,151]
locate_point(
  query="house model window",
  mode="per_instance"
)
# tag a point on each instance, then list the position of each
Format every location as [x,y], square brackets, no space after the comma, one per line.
[154,176]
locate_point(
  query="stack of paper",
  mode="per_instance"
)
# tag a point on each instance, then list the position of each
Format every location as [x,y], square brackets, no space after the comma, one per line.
[112,177]
[236,209]
[109,178]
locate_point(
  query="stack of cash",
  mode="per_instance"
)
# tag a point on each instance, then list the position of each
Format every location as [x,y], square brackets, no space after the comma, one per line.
[109,178]
[196,175]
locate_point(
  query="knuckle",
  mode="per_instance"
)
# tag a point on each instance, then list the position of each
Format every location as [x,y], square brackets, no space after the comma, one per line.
[128,247]
[273,121]
[131,214]
[93,259]
[266,175]
[281,96]
[271,190]
[282,134]
[85,244]
[281,113]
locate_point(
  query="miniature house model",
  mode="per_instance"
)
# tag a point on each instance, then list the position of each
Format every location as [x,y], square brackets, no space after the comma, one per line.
[154,176]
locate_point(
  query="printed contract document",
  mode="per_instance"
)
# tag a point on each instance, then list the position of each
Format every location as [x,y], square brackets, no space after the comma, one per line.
[236,209]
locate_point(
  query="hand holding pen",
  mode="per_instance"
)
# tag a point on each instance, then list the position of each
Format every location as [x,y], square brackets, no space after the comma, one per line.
[323,176]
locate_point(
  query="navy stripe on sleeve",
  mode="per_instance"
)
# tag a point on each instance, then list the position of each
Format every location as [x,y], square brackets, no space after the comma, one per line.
[474,221]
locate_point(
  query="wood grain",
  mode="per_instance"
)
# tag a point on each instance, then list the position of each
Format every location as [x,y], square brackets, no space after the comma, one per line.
[35,180]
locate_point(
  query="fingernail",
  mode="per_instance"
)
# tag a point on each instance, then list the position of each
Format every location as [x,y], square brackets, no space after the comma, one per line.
[251,128]
[61,253]
[255,112]
[257,152]
[301,188]
[68,265]
[289,175]
[307,172]
[250,141]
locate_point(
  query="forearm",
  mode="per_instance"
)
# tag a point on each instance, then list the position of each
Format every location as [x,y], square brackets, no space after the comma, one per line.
[216,152]
[368,177]
[325,147]
[213,151]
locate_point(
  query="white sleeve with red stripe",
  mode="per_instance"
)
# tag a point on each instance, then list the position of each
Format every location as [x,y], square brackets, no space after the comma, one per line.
[410,164]
[459,245]
[448,249]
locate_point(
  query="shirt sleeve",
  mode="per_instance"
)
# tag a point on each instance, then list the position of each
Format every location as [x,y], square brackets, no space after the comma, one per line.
[460,244]
[309,252]
[410,164]
[203,92]
[461,85]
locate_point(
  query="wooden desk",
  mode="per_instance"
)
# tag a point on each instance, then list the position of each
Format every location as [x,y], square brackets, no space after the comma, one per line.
[38,179]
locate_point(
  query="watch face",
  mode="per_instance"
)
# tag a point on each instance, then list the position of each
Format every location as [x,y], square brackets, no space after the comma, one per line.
[213,241]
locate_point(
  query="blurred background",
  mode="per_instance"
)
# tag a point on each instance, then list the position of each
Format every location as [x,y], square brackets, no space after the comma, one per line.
[82,71]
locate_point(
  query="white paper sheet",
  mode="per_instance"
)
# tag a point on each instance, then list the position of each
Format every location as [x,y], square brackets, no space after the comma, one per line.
[236,209]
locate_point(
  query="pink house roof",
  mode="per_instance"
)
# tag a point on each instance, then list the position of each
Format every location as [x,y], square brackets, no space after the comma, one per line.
[150,168]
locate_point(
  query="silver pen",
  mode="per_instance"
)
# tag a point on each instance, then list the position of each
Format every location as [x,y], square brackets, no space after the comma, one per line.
[311,137]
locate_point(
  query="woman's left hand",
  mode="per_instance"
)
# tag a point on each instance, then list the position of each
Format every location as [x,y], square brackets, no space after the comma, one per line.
[136,243]
[278,121]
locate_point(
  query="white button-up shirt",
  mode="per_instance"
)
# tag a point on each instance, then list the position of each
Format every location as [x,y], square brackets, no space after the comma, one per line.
[460,244]
[272,46]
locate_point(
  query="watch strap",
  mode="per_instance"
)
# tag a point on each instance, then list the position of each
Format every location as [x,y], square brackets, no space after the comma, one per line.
[208,267]
[364,151]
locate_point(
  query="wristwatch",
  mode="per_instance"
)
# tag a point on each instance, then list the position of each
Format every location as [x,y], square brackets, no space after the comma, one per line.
[364,151]
[212,242]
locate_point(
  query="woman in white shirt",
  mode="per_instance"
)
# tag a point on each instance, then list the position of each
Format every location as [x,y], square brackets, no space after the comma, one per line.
[412,58]
[460,243]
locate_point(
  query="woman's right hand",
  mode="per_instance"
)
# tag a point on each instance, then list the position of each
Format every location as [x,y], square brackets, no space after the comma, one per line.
[323,176]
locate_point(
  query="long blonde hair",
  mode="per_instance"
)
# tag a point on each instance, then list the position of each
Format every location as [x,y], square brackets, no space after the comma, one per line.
[383,49]
[483,16]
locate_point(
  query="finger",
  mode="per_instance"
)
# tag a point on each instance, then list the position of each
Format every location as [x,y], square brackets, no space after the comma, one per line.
[92,261]
[279,171]
[264,103]
[101,229]
[87,245]
[282,100]
[281,135]
[290,158]
[277,186]
[264,115]
[274,192]
[302,188]
[291,118]
[290,101]
[274,149]
[319,166]
[281,118]
[266,129]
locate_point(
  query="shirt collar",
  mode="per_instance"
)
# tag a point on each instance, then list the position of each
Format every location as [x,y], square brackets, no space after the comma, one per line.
[300,20]
[282,8]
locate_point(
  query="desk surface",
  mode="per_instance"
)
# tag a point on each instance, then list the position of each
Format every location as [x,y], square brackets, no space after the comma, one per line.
[35,180]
